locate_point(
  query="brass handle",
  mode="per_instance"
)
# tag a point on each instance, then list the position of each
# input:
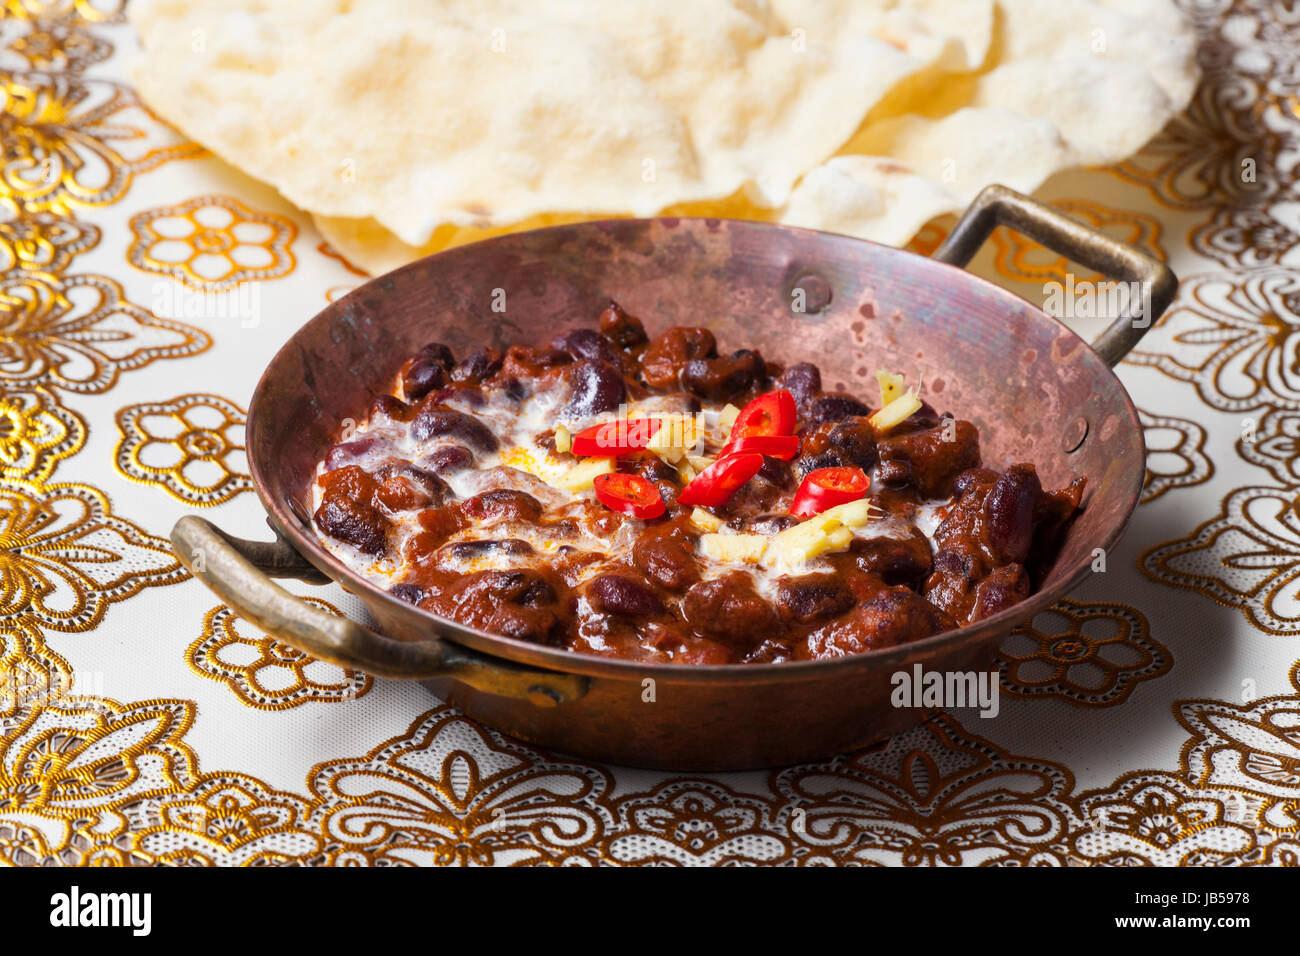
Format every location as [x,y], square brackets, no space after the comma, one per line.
[239,572]
[999,206]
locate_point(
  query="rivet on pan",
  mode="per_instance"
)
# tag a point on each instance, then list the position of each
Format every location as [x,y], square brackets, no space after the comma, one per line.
[543,697]
[810,295]
[1075,433]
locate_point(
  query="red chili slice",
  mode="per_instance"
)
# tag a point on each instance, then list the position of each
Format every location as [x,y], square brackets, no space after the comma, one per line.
[772,413]
[784,447]
[825,488]
[629,495]
[611,439]
[716,484]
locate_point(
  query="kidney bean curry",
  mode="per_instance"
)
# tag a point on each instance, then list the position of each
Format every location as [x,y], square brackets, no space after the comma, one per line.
[659,501]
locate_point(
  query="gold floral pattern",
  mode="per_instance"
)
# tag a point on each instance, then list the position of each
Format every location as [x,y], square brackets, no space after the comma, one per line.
[697,823]
[931,796]
[1160,820]
[212,243]
[191,446]
[1175,454]
[1273,442]
[1018,257]
[64,557]
[73,141]
[452,792]
[225,820]
[79,334]
[29,672]
[1252,235]
[54,45]
[1087,654]
[266,673]
[36,433]
[1248,558]
[1235,337]
[43,242]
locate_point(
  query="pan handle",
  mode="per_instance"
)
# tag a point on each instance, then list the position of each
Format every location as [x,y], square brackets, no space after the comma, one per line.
[239,572]
[999,206]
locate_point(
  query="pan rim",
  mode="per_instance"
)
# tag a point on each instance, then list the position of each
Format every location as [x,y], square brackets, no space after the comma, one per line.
[561,660]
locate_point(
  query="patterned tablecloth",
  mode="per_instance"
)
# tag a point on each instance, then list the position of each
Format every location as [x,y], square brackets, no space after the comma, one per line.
[1154,717]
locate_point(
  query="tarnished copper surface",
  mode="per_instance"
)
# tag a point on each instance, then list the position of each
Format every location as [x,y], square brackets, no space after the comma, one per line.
[1021,376]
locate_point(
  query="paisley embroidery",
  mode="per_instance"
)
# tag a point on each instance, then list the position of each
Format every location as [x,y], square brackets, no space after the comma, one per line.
[73,141]
[225,820]
[1247,558]
[451,792]
[1235,337]
[212,243]
[64,557]
[931,796]
[79,334]
[30,673]
[1087,654]
[192,446]
[1155,819]
[697,823]
[266,673]
[1220,149]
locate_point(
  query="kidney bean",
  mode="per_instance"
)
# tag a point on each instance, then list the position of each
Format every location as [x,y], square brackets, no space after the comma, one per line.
[728,609]
[348,451]
[623,329]
[972,479]
[421,377]
[594,387]
[622,594]
[477,366]
[665,358]
[434,420]
[1004,587]
[347,510]
[668,561]
[389,406]
[934,456]
[589,344]
[897,560]
[834,408]
[503,503]
[468,550]
[471,395]
[770,524]
[812,597]
[408,488]
[409,593]
[722,379]
[806,463]
[777,472]
[446,459]
[1009,513]
[854,440]
[439,354]
[804,382]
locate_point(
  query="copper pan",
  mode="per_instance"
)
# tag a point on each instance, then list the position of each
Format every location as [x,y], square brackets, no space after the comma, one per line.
[1035,389]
